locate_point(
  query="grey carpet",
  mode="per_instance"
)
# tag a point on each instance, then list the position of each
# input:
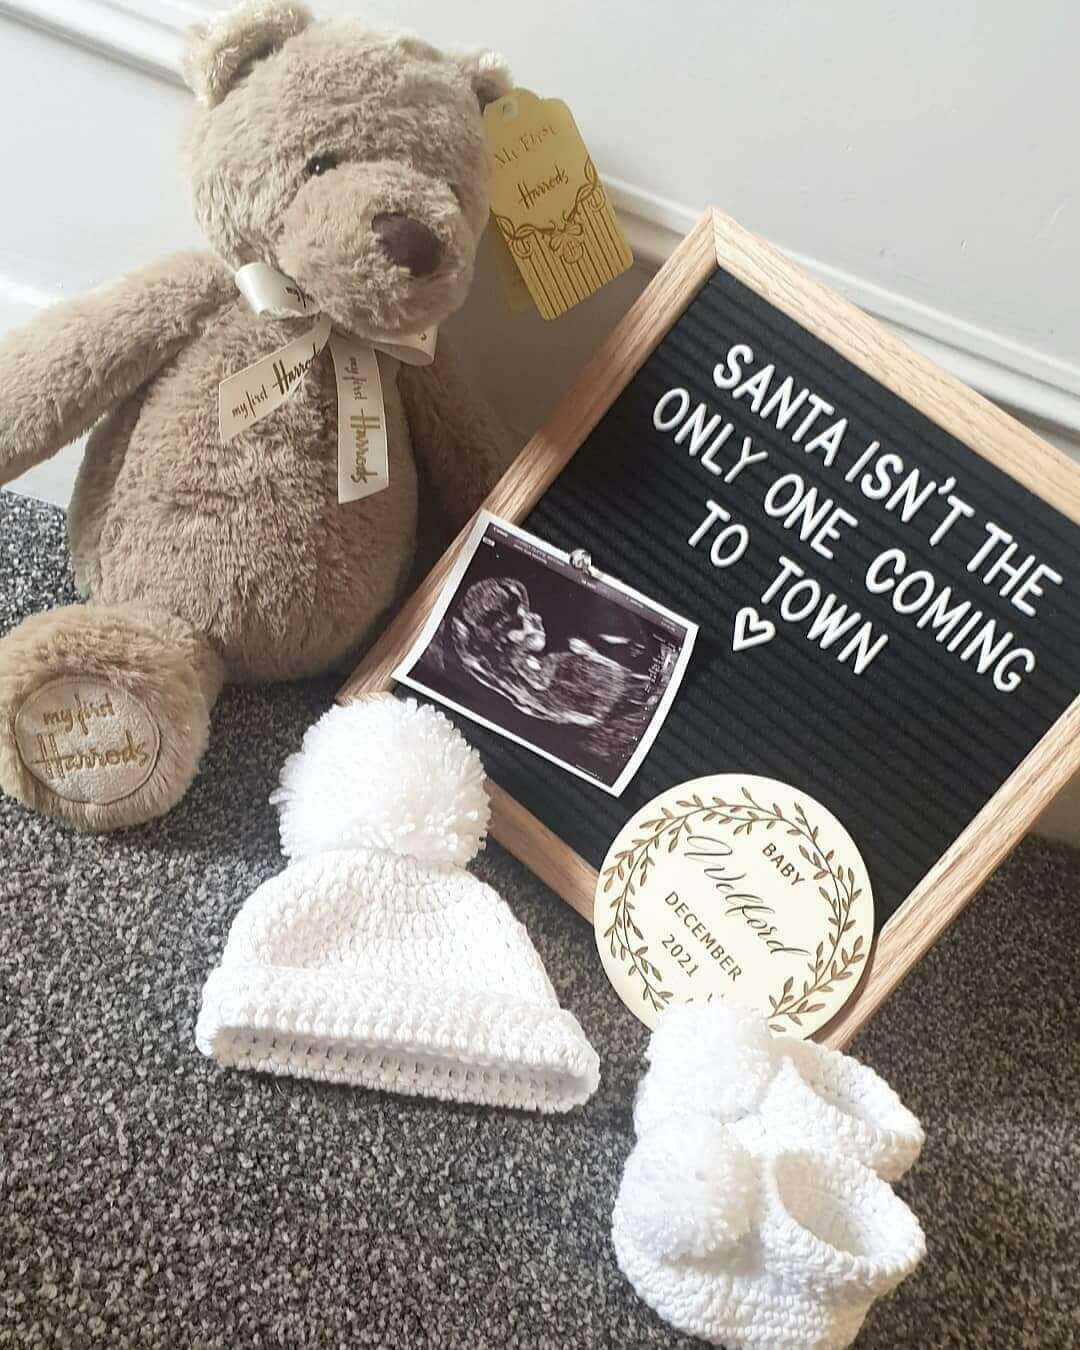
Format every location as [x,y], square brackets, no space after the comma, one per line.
[149,1198]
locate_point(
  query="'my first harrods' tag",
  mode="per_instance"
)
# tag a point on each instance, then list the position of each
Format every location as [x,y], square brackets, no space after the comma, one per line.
[548,203]
[259,389]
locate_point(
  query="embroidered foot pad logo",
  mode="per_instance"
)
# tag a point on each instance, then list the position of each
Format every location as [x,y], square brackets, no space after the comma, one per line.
[86,740]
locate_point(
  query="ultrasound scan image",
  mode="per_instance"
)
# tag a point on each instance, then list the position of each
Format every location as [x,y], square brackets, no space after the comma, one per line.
[557,658]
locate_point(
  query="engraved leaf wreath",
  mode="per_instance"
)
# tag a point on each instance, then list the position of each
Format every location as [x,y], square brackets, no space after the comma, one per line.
[834,961]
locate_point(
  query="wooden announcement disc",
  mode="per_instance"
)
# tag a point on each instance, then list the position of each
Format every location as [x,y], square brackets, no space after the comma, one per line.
[735,887]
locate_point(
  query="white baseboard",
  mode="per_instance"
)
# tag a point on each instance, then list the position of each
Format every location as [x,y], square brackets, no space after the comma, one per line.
[148,36]
[1061,819]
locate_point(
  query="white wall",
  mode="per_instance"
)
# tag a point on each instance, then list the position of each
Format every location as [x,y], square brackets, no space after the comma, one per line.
[925,148]
[91,183]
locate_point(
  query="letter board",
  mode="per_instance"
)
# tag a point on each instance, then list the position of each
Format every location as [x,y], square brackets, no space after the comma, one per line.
[885,589]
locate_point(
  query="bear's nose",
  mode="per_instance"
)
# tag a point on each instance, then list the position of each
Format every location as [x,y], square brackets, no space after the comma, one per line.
[408,243]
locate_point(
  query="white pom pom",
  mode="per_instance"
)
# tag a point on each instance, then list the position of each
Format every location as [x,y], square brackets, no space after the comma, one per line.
[715,1059]
[382,773]
[689,1188]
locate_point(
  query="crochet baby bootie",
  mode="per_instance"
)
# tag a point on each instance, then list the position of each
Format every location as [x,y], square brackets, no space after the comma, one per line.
[821,1098]
[775,1092]
[785,1251]
[375,959]
[749,1213]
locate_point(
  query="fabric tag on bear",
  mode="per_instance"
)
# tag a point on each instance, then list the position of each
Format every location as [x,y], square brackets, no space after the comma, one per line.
[363,456]
[411,349]
[549,203]
[735,888]
[269,291]
[86,740]
[259,389]
[256,391]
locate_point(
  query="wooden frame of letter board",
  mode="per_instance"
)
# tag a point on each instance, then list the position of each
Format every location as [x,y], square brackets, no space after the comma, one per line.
[938,898]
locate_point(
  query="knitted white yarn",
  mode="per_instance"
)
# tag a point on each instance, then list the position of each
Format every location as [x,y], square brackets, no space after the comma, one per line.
[820,1098]
[722,1053]
[361,965]
[691,1189]
[748,1212]
[384,773]
[826,1238]
[775,1092]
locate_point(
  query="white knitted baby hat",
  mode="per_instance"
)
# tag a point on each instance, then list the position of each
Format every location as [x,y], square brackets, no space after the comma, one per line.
[375,958]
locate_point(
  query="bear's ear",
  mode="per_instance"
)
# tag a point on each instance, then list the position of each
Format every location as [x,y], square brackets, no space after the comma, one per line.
[488,74]
[218,51]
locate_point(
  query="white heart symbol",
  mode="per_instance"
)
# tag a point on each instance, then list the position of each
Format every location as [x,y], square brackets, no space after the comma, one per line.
[751,630]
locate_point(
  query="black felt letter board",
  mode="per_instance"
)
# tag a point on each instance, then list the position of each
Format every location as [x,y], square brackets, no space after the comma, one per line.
[906,752]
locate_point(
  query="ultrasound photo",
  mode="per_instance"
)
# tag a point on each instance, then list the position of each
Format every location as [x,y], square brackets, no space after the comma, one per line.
[555,656]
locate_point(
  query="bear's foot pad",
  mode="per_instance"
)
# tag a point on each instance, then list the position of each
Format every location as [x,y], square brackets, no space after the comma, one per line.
[87,740]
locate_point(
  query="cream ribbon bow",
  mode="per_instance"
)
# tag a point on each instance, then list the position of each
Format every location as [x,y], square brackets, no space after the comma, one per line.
[256,391]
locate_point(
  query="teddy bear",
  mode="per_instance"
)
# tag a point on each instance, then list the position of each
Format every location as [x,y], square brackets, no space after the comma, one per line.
[350,165]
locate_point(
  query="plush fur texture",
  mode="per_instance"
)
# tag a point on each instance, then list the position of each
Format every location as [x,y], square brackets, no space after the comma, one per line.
[81,358]
[218,51]
[307,136]
[401,125]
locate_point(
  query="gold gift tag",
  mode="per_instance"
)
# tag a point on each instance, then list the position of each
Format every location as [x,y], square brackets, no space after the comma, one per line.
[549,204]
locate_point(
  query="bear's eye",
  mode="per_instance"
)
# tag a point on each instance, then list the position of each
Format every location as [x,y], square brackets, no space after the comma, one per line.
[320,164]
[457,194]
